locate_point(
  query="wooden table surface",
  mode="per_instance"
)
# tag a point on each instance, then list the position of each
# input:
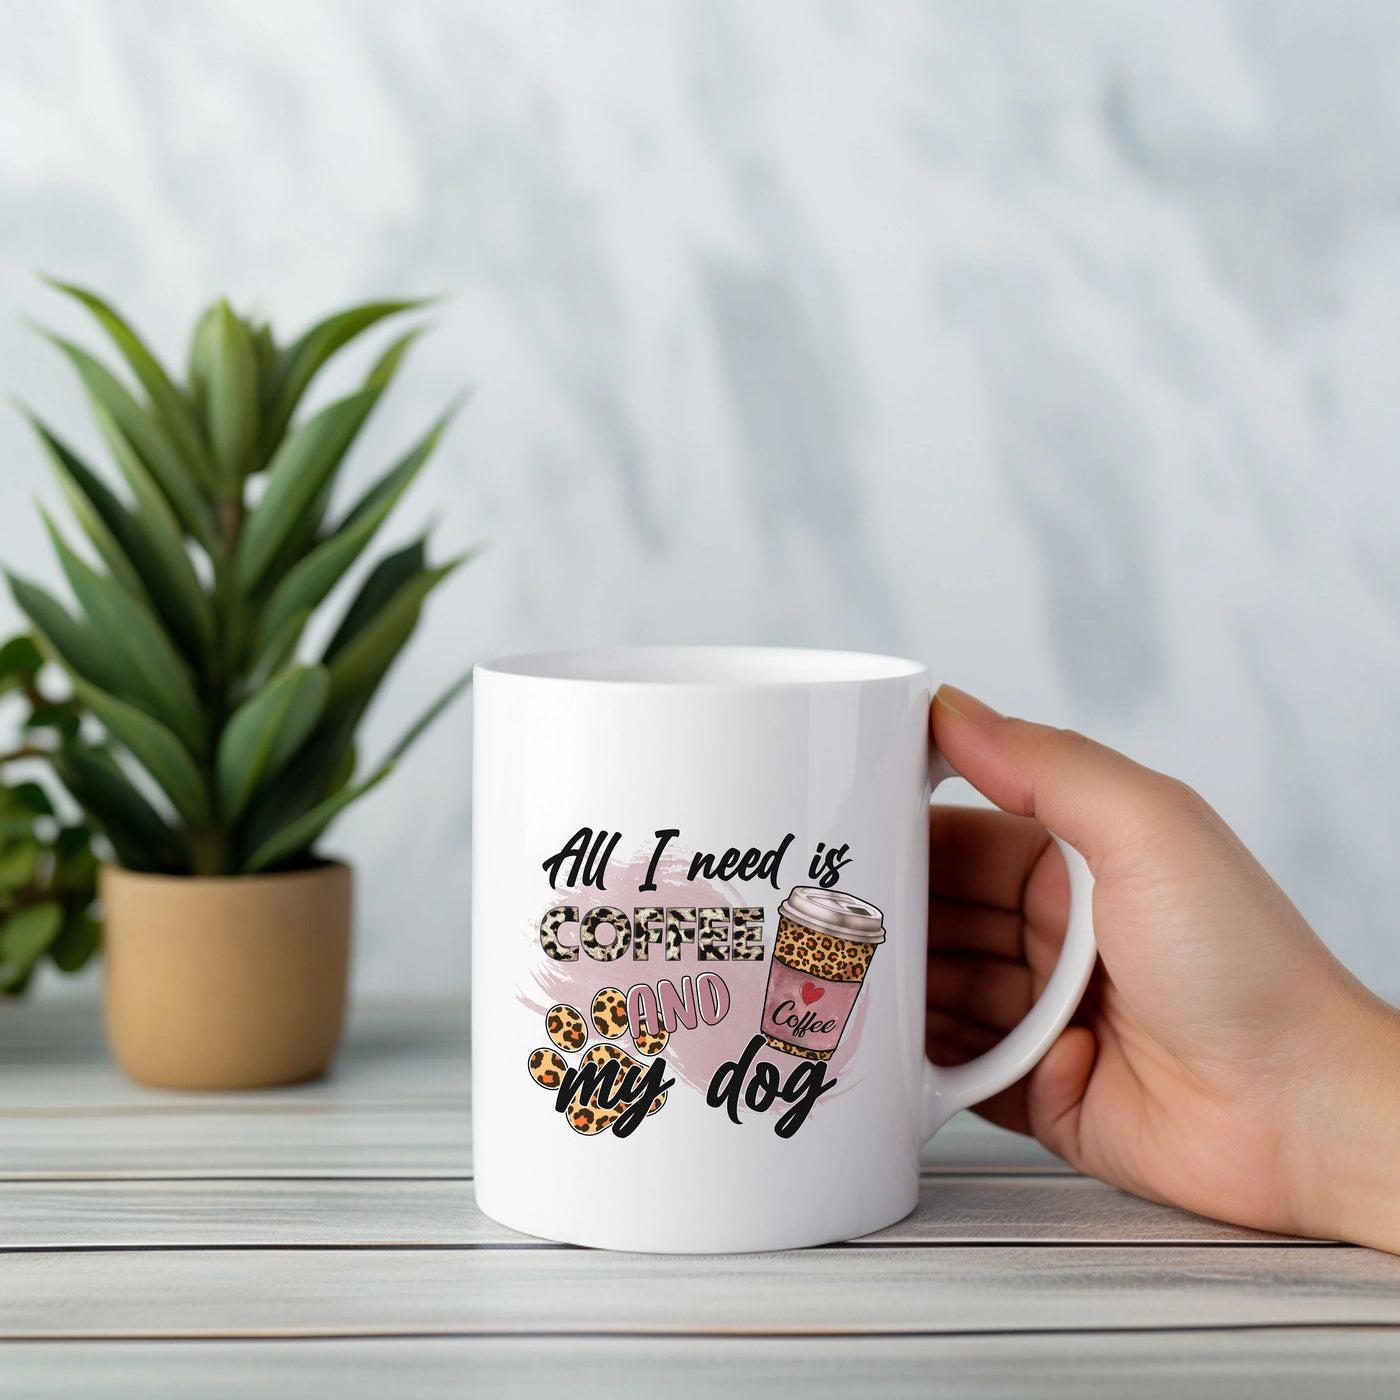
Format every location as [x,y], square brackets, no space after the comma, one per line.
[324,1239]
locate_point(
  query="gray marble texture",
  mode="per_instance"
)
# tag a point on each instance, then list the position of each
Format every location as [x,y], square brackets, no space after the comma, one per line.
[1053,343]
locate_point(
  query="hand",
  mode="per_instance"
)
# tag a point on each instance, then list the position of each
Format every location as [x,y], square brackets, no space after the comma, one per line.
[1222,1059]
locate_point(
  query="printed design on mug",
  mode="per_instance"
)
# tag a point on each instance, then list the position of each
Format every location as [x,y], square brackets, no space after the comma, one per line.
[708,972]
[825,942]
[608,1088]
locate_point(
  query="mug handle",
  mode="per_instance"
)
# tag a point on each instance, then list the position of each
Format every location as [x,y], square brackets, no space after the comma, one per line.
[946,1090]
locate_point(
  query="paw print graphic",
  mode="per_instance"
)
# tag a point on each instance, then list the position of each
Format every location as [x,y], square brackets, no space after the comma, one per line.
[601,1095]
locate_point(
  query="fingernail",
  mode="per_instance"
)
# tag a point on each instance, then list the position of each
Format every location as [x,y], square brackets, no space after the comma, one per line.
[965,706]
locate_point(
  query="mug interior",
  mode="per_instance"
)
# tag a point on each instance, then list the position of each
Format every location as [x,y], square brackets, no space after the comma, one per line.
[707,666]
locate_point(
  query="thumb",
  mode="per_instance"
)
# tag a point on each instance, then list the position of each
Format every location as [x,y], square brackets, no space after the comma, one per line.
[1090,795]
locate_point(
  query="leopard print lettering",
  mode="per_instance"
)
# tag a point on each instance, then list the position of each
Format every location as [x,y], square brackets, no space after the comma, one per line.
[549,933]
[589,1118]
[649,1044]
[822,954]
[547,1068]
[605,915]
[680,928]
[747,939]
[610,1013]
[566,1027]
[712,938]
[647,928]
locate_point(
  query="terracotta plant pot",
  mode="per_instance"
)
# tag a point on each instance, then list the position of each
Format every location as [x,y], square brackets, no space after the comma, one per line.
[225,983]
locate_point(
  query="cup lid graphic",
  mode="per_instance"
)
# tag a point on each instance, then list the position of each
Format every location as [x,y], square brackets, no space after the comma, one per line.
[834,912]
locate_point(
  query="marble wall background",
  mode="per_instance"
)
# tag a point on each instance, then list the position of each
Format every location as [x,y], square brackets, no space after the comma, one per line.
[1056,344]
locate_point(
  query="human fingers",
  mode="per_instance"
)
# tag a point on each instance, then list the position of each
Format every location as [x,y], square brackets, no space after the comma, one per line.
[1034,937]
[1047,1104]
[982,856]
[990,992]
[1090,795]
[956,927]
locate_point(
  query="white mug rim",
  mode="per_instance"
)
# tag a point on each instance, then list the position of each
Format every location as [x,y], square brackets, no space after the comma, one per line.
[750,668]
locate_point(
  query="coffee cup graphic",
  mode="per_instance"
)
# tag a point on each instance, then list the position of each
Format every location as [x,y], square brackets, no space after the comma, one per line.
[823,948]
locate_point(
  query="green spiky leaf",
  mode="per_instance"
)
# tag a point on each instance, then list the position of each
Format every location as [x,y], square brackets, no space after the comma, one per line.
[301,468]
[265,350]
[387,365]
[159,553]
[394,482]
[292,838]
[156,749]
[121,415]
[230,395]
[265,732]
[308,583]
[71,642]
[279,649]
[104,519]
[297,837]
[299,364]
[319,770]
[168,401]
[151,673]
[383,582]
[143,549]
[140,836]
[343,772]
[359,666]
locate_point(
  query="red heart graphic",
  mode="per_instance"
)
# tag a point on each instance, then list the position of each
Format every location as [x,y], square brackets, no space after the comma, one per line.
[811,992]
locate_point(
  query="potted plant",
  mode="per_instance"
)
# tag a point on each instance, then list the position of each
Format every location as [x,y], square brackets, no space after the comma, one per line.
[226,938]
[48,872]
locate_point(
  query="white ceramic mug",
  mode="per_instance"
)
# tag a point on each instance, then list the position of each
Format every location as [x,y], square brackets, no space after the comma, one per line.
[699,941]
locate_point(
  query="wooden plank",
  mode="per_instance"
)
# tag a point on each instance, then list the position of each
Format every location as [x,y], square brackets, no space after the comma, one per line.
[73,1028]
[321,1136]
[1343,1364]
[957,1288]
[356,1080]
[220,1214]
[229,1139]
[967,1143]
[52,1056]
[320,1133]
[1069,1209]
